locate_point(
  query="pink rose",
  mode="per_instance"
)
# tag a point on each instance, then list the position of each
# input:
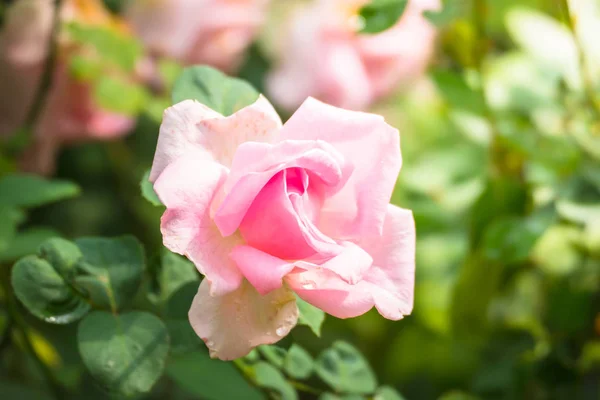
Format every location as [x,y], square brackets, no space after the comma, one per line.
[70,113]
[325,57]
[213,32]
[266,211]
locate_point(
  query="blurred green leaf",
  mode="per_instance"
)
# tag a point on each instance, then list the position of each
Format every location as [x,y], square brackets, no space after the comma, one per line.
[345,369]
[457,92]
[126,353]
[111,270]
[590,356]
[379,15]
[44,292]
[148,190]
[22,190]
[112,46]
[175,272]
[332,396]
[210,379]
[12,390]
[214,89]
[274,354]
[11,217]
[183,337]
[556,251]
[269,377]
[310,316]
[387,393]
[298,363]
[117,95]
[451,10]
[511,239]
[26,242]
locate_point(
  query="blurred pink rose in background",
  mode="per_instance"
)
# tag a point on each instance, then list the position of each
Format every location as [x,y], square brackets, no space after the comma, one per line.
[212,32]
[324,56]
[265,211]
[70,113]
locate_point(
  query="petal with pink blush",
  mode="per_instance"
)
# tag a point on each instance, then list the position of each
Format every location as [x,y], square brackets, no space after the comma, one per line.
[190,127]
[277,231]
[262,270]
[187,188]
[256,163]
[388,284]
[233,324]
[373,146]
[394,263]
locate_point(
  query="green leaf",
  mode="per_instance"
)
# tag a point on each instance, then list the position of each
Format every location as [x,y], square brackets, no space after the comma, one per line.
[210,379]
[380,15]
[214,89]
[148,190]
[344,369]
[270,378]
[452,10]
[13,390]
[183,337]
[10,218]
[120,96]
[274,354]
[387,393]
[22,190]
[111,270]
[112,46]
[332,396]
[62,254]
[175,272]
[298,363]
[26,242]
[125,353]
[310,316]
[44,292]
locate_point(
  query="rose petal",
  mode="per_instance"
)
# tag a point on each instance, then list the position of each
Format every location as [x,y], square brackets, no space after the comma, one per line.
[191,127]
[388,284]
[359,209]
[262,270]
[233,324]
[187,188]
[256,163]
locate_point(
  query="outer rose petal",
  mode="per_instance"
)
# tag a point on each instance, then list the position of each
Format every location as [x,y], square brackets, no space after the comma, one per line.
[187,187]
[232,324]
[388,284]
[359,209]
[192,127]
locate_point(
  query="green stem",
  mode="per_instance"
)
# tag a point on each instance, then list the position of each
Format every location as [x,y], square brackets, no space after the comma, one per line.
[46,80]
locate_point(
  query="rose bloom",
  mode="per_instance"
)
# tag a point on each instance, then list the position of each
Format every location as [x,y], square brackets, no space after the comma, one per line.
[265,211]
[70,113]
[213,32]
[324,55]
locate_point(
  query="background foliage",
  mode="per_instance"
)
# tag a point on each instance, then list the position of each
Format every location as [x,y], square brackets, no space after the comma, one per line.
[501,149]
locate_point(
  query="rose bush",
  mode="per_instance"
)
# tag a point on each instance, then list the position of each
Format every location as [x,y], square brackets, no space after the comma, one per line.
[325,56]
[265,211]
[213,32]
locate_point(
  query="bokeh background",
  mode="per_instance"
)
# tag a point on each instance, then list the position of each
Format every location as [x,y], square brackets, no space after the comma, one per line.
[498,105]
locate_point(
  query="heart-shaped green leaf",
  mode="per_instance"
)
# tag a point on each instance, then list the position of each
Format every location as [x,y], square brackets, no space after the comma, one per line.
[298,363]
[379,15]
[45,293]
[345,370]
[125,353]
[111,270]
